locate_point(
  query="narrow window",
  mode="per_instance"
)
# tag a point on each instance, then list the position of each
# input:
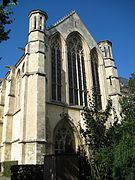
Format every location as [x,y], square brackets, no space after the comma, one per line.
[76,71]
[56,69]
[95,78]
[18,90]
[40,23]
[23,67]
[35,22]
[105,51]
[109,50]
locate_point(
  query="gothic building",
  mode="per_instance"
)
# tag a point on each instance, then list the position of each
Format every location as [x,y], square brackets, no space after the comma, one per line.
[42,96]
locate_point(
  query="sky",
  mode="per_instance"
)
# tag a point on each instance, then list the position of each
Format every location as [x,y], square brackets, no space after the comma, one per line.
[112,20]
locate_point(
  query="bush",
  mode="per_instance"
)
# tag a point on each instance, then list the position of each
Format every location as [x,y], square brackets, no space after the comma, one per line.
[27,172]
[7,167]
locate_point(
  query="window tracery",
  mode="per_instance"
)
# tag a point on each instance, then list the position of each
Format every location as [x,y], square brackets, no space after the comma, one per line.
[64,139]
[76,71]
[56,68]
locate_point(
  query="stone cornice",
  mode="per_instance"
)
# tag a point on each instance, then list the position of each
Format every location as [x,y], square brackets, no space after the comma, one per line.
[115,94]
[34,73]
[11,95]
[9,114]
[110,59]
[113,77]
[7,142]
[33,141]
[111,67]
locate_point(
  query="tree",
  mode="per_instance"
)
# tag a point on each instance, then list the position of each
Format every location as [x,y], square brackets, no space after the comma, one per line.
[6,2]
[5,13]
[111,149]
[132,84]
[4,20]
[124,148]
[98,139]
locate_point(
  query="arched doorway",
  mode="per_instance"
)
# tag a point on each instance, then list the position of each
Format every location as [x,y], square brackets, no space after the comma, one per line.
[64,139]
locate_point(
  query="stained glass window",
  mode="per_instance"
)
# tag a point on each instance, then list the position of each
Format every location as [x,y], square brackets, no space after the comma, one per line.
[56,68]
[76,71]
[95,78]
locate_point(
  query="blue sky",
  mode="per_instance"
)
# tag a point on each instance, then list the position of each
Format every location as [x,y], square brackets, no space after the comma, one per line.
[112,20]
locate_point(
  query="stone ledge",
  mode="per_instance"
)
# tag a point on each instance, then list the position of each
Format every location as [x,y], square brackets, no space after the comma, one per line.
[34,73]
[114,94]
[33,141]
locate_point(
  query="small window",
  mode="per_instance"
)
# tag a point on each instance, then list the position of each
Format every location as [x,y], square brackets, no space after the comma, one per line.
[109,50]
[23,67]
[35,22]
[18,90]
[40,23]
[105,51]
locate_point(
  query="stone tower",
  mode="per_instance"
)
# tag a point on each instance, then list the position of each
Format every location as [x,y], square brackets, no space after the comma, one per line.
[33,131]
[111,73]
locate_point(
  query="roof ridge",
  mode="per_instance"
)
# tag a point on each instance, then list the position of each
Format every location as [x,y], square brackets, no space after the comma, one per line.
[62,19]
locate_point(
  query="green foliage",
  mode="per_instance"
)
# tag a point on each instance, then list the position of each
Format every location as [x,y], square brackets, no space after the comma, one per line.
[124,159]
[95,128]
[132,84]
[4,20]
[112,149]
[7,167]
[124,147]
[6,2]
[5,12]
[98,140]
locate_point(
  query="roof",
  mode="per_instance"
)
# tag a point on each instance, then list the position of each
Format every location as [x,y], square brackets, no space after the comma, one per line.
[61,20]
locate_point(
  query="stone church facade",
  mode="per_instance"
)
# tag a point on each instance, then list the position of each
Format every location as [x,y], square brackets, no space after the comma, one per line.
[42,96]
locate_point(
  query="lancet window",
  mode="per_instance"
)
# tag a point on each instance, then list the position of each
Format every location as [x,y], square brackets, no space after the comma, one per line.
[95,78]
[18,90]
[76,71]
[56,68]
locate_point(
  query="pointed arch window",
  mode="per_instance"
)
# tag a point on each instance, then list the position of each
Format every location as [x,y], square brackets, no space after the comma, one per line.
[95,78]
[18,90]
[76,71]
[56,68]
[64,139]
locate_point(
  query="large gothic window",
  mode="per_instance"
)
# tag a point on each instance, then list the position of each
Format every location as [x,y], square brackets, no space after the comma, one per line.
[64,139]
[76,71]
[56,68]
[95,77]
